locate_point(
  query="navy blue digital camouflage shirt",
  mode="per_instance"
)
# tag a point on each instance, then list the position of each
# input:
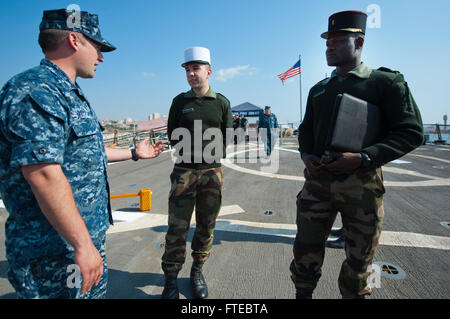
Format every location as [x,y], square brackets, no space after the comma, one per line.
[268,121]
[46,118]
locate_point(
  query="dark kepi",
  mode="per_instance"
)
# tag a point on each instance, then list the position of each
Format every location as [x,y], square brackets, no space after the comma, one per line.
[346,21]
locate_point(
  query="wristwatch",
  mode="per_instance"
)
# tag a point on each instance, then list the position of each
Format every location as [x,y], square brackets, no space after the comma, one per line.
[134,155]
[366,160]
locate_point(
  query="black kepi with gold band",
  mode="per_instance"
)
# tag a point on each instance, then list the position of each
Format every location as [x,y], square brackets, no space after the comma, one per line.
[346,21]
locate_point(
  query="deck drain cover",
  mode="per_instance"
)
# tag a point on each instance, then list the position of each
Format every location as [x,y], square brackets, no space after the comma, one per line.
[390,271]
[267,213]
[446,224]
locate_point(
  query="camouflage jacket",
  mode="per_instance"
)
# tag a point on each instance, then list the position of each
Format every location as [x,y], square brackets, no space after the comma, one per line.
[268,121]
[45,118]
[386,89]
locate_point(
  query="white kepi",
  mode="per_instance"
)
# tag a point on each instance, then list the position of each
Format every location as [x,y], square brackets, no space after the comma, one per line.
[197,54]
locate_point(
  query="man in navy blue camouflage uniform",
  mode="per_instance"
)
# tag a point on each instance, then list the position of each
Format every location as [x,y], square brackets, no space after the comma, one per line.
[268,121]
[53,166]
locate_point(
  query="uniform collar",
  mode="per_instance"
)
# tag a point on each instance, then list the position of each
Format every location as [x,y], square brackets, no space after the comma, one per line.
[210,94]
[362,71]
[61,76]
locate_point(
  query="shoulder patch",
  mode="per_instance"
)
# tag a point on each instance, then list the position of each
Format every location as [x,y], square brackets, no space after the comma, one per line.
[384,69]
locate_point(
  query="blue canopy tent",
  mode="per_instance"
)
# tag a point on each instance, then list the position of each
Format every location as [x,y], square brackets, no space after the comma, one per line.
[248,109]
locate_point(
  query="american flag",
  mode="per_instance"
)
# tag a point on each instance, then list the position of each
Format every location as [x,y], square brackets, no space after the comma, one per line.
[296,69]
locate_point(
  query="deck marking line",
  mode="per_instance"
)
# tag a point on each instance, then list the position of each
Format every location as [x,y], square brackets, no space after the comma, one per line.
[432,180]
[387,238]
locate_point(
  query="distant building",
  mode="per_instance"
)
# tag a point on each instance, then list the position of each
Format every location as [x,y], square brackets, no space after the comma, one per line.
[128,120]
[154,116]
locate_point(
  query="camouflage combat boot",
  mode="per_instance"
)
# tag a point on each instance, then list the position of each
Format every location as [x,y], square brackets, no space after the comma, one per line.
[198,283]
[170,287]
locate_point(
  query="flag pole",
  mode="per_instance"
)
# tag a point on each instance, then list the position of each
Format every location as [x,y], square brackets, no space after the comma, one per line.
[301,111]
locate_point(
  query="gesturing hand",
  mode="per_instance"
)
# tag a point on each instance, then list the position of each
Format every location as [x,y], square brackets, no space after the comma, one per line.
[145,150]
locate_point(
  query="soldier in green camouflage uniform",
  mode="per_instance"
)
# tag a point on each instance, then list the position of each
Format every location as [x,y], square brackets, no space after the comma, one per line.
[353,183]
[196,180]
[53,168]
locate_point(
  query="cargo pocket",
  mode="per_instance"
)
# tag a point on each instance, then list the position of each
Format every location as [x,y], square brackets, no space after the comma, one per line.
[373,182]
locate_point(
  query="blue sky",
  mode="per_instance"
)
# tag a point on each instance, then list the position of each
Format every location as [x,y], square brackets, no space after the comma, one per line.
[251,41]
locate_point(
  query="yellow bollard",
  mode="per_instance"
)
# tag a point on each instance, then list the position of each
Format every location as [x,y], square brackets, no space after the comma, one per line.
[145,198]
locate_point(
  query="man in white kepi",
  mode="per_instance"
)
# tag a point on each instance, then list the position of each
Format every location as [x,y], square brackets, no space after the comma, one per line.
[197,176]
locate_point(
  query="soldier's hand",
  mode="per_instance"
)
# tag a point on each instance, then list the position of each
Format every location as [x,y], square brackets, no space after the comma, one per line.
[145,150]
[90,263]
[344,162]
[312,163]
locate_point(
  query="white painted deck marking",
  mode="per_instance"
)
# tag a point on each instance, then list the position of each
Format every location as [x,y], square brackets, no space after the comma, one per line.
[121,216]
[230,210]
[388,238]
[133,219]
[431,157]
[397,161]
[431,180]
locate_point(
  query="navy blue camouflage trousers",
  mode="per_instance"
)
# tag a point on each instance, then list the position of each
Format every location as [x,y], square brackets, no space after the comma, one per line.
[53,277]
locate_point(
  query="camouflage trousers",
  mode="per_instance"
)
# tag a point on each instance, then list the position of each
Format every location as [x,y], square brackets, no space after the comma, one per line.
[358,197]
[191,188]
[53,277]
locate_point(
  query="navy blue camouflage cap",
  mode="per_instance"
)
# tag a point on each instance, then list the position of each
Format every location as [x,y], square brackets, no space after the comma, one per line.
[76,21]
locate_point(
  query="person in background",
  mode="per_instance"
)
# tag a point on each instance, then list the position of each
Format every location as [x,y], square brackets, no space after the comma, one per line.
[244,126]
[236,126]
[269,123]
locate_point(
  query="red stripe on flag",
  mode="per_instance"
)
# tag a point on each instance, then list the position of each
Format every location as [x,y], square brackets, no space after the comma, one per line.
[289,73]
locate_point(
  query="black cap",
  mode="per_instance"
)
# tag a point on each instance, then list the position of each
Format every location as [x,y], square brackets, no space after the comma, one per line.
[346,21]
[77,21]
